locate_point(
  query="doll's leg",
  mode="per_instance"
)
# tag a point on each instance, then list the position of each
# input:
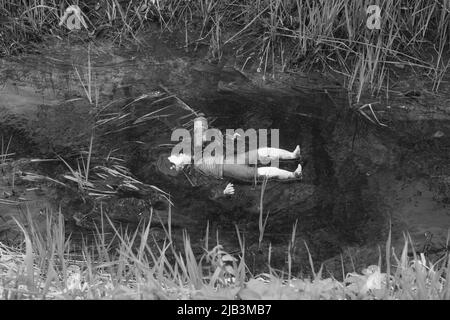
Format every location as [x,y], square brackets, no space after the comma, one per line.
[248,173]
[267,154]
[276,173]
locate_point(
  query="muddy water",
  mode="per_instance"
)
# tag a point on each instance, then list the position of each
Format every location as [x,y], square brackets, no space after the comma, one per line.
[358,176]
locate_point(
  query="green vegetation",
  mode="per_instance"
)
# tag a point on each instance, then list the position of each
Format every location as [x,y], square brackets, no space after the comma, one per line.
[275,35]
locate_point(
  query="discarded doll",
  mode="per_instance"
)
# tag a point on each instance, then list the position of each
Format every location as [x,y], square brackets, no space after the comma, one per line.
[218,166]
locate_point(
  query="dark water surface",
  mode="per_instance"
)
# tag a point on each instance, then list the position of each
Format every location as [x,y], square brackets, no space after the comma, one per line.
[355,174]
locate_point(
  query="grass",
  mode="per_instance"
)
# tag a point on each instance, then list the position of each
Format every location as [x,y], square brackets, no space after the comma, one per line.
[276,35]
[4,155]
[273,35]
[118,263]
[133,265]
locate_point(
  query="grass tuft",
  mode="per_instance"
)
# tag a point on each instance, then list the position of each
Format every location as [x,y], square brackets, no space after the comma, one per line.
[132,265]
[276,35]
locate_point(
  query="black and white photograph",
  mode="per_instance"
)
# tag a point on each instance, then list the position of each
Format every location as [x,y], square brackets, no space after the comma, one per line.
[237,151]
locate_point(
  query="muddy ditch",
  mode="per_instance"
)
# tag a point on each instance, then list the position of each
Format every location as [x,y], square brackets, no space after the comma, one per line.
[361,178]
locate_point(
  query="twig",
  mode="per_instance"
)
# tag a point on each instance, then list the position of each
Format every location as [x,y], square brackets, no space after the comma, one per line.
[369,105]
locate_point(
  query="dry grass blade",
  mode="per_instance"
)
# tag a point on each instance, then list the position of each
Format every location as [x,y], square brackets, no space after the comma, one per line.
[29,257]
